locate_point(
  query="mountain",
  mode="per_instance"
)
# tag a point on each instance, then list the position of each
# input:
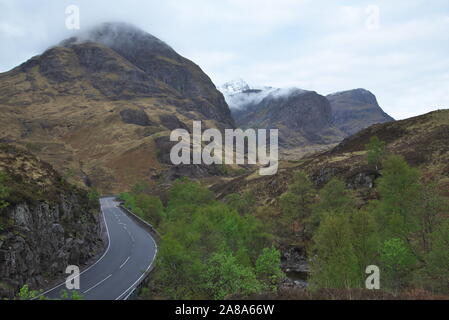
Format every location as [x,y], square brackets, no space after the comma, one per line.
[355,110]
[304,118]
[47,224]
[100,106]
[421,140]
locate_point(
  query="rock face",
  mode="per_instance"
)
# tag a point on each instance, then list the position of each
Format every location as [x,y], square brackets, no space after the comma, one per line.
[137,117]
[94,104]
[355,110]
[302,117]
[47,226]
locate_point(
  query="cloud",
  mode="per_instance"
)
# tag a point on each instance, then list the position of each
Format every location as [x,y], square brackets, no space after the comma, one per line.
[318,45]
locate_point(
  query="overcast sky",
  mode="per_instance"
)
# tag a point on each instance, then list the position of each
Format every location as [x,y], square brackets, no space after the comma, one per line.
[398,49]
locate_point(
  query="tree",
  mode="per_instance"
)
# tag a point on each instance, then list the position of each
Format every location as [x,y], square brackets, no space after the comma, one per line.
[186,195]
[364,238]
[94,197]
[437,260]
[4,191]
[243,203]
[333,260]
[397,261]
[226,277]
[268,268]
[179,265]
[297,203]
[151,208]
[400,198]
[432,208]
[333,198]
[376,150]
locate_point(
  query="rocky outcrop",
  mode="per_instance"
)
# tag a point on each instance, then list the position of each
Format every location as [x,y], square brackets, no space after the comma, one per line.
[174,172]
[355,110]
[137,117]
[46,226]
[44,240]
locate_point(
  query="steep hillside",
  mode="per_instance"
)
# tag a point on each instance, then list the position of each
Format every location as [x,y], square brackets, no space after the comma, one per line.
[46,225]
[421,140]
[94,105]
[355,110]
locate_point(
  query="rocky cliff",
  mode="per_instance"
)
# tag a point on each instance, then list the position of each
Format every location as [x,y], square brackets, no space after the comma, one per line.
[303,117]
[46,225]
[355,110]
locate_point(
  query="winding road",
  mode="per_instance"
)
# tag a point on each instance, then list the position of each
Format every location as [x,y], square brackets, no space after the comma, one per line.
[130,254]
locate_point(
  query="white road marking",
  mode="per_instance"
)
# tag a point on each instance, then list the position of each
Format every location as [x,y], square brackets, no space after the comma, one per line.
[125,262]
[98,284]
[138,280]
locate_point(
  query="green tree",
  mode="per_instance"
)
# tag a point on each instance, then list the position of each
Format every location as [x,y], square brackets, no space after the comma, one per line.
[376,150]
[430,214]
[268,268]
[437,260]
[397,261]
[94,197]
[333,260]
[297,203]
[179,266]
[243,203]
[400,198]
[226,277]
[151,209]
[333,198]
[365,238]
[129,200]
[4,191]
[186,195]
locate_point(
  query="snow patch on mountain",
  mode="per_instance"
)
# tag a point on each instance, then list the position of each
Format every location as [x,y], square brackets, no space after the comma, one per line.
[239,95]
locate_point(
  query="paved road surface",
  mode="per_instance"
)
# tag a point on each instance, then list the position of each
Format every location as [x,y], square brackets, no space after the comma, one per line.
[131,252]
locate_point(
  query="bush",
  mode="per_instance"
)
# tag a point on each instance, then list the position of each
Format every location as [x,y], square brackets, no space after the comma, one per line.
[4,191]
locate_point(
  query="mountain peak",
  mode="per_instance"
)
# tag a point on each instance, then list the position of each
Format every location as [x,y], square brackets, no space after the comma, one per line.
[234,86]
[124,38]
[360,94]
